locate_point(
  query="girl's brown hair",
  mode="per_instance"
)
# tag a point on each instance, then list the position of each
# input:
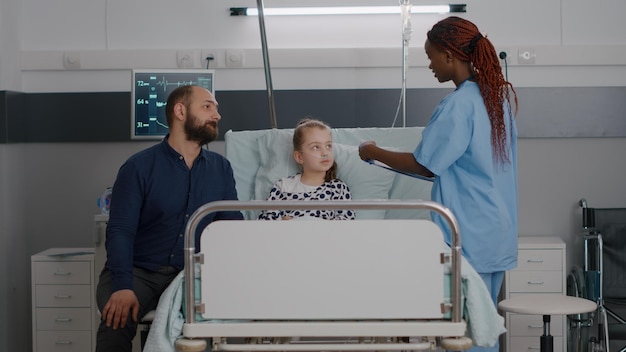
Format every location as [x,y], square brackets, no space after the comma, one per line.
[466,43]
[298,139]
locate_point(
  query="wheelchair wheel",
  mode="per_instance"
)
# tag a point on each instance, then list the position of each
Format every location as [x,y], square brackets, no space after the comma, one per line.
[578,324]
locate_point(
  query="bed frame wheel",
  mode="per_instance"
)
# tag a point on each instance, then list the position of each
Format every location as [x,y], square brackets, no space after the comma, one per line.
[190,345]
[456,343]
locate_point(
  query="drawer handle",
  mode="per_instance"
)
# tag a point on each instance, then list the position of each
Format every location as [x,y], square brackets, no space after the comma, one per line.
[534,348]
[63,296]
[533,326]
[63,320]
[535,282]
[63,273]
[63,342]
[534,261]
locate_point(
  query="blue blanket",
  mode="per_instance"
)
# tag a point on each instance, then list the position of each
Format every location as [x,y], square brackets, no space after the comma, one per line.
[168,321]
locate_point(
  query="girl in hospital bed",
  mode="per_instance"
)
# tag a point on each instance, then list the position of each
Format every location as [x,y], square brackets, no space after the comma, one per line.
[313,151]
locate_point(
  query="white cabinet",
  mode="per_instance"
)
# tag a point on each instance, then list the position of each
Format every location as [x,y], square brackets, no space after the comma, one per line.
[63,300]
[541,269]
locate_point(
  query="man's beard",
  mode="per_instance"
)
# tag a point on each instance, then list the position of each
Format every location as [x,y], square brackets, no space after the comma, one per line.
[203,134]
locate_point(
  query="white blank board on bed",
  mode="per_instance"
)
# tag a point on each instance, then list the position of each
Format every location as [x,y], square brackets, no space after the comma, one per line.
[322,270]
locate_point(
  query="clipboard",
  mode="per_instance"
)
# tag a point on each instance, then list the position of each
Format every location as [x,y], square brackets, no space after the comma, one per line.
[385,166]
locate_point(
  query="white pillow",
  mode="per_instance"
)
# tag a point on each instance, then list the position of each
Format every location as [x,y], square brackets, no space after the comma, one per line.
[364,180]
[397,139]
[275,161]
[241,150]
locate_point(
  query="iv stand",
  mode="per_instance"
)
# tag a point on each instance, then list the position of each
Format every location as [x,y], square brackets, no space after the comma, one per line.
[266,61]
[405,11]
[404,49]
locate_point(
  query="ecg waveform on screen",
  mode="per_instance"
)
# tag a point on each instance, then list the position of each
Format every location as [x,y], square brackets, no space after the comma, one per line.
[168,85]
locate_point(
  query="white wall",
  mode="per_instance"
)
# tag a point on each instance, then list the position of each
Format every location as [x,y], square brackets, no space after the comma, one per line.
[572,48]
[48,191]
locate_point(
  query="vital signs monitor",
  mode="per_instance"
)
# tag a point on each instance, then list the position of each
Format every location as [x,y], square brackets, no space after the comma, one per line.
[150,89]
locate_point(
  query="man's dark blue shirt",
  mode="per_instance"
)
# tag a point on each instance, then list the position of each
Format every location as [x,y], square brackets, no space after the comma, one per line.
[154,195]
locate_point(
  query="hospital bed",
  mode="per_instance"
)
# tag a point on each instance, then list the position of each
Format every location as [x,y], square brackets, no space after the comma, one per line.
[379,282]
[385,281]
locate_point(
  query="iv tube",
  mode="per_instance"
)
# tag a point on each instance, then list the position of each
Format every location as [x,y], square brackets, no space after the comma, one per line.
[405,11]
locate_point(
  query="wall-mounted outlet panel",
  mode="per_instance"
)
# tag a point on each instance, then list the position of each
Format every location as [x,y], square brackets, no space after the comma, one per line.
[185,58]
[526,56]
[212,63]
[234,58]
[71,59]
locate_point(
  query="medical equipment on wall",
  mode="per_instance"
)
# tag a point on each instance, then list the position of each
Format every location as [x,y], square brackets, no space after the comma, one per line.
[149,91]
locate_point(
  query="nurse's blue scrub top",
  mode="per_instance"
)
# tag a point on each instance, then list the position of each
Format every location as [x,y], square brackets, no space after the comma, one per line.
[482,194]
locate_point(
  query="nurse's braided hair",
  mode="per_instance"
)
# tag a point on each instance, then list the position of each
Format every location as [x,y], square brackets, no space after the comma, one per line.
[298,139]
[466,43]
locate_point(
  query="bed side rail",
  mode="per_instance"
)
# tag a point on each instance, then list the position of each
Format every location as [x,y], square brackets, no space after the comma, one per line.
[217,206]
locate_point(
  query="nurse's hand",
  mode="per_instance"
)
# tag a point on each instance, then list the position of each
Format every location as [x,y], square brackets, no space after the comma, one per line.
[364,149]
[122,305]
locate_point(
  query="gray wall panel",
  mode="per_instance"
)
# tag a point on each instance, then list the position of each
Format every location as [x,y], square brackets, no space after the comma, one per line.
[105,117]
[572,112]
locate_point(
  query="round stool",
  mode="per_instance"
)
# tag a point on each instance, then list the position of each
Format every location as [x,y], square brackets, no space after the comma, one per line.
[547,305]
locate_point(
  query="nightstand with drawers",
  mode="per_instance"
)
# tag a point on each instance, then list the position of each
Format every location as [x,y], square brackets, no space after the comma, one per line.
[541,269]
[63,294]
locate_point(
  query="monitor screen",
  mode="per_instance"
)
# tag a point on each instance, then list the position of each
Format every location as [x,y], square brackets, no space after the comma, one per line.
[150,89]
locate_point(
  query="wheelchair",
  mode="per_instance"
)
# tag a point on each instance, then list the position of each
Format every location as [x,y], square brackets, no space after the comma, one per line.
[602,279]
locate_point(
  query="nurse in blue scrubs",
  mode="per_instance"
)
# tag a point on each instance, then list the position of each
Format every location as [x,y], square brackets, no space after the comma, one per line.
[469,146]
